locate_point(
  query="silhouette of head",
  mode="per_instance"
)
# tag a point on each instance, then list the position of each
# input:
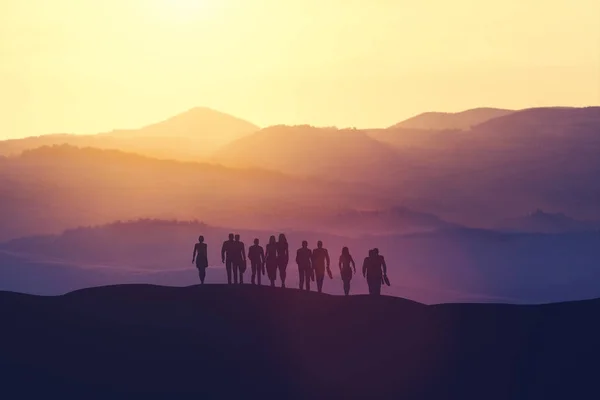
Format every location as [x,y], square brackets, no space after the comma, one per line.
[231,236]
[371,253]
[282,238]
[237,238]
[345,251]
[272,240]
[304,244]
[319,244]
[201,239]
[256,241]
[376,251]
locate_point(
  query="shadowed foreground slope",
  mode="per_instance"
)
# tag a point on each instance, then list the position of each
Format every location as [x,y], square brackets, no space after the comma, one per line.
[248,342]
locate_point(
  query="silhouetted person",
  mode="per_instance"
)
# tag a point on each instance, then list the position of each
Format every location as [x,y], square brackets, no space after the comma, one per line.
[374,269]
[346,265]
[304,261]
[227,254]
[200,256]
[256,255]
[283,258]
[271,260]
[381,259]
[239,260]
[320,261]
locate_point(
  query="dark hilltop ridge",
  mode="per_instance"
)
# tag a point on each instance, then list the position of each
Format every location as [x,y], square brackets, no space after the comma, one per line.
[257,342]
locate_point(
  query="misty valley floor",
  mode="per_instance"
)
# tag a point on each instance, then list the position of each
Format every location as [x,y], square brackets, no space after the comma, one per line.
[225,341]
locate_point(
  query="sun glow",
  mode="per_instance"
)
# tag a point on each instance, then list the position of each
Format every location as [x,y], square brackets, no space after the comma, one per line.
[186,9]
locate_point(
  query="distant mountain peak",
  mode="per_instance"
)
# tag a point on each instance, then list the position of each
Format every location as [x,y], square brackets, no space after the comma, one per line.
[463,120]
[205,117]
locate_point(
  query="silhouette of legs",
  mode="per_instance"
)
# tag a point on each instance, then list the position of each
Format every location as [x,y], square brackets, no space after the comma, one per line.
[346,287]
[256,270]
[228,267]
[282,265]
[236,271]
[202,274]
[272,271]
[304,276]
[301,275]
[374,286]
[346,274]
[320,277]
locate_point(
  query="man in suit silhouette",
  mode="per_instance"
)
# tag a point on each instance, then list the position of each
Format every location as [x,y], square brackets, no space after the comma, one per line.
[227,254]
[239,260]
[200,256]
[374,269]
[320,261]
[256,254]
[304,261]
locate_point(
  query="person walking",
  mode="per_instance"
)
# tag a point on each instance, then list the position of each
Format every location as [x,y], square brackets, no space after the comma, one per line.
[256,255]
[271,260]
[283,258]
[227,254]
[346,265]
[200,257]
[239,260]
[375,270]
[303,259]
[320,261]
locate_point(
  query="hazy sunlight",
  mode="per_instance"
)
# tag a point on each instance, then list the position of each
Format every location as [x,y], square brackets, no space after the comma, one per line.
[186,9]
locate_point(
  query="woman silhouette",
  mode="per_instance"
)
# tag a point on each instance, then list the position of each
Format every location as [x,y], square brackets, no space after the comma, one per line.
[271,260]
[200,257]
[346,265]
[283,257]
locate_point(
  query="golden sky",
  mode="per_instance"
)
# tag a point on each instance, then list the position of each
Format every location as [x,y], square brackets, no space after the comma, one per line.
[86,66]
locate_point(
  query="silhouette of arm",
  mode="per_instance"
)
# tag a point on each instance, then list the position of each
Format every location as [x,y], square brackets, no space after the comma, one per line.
[310,259]
[195,251]
[384,266]
[262,256]
[327,258]
[243,251]
[223,248]
[364,268]
[353,263]
[298,256]
[340,264]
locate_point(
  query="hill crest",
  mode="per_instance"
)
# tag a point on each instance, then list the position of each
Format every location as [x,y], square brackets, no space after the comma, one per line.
[463,120]
[281,343]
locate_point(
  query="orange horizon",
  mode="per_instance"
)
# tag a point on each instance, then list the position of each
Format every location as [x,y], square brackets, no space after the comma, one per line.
[66,69]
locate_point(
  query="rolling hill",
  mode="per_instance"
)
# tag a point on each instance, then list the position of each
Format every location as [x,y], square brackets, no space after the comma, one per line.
[345,154]
[189,136]
[496,170]
[249,342]
[51,189]
[464,120]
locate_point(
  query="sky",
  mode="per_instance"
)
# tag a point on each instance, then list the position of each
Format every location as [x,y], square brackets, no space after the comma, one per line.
[87,66]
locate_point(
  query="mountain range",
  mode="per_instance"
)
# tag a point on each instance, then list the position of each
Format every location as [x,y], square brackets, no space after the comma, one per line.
[189,136]
[452,121]
[447,207]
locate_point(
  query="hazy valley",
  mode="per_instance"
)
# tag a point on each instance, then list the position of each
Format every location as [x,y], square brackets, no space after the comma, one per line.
[450,200]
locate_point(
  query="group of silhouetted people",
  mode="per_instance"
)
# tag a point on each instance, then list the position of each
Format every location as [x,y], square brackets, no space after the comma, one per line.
[312,264]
